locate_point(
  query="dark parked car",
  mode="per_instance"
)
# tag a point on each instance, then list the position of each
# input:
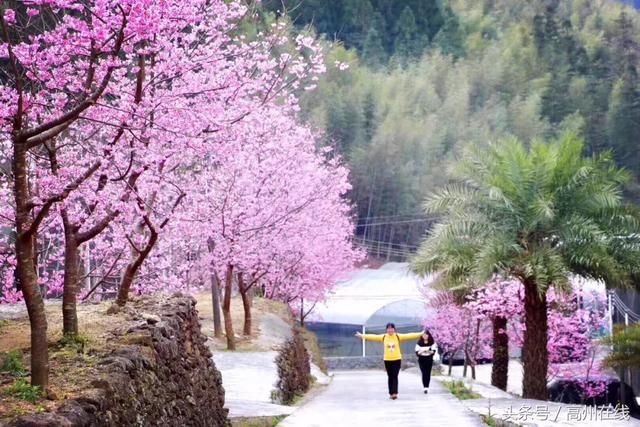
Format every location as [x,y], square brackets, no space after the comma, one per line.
[458,358]
[567,391]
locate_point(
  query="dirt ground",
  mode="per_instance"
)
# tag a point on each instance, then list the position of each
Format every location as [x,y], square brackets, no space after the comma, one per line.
[93,321]
[259,308]
[71,363]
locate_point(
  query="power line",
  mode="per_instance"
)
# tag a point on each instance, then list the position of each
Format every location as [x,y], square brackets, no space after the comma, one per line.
[408,221]
[396,246]
[621,306]
[389,251]
[377,217]
[385,245]
[364,241]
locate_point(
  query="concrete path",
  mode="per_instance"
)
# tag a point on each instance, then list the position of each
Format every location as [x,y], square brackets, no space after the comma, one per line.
[509,406]
[249,378]
[359,398]
[483,375]
[529,412]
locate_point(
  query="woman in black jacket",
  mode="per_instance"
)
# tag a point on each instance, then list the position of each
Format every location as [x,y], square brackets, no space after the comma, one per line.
[425,350]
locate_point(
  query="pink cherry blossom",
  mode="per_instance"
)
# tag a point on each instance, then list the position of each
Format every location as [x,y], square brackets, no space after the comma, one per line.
[575,319]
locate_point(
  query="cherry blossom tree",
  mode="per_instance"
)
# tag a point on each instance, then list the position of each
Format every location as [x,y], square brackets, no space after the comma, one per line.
[574,317]
[500,300]
[275,193]
[106,107]
[64,60]
[458,328]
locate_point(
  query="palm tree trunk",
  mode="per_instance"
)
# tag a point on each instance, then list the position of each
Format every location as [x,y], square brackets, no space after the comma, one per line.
[536,357]
[500,368]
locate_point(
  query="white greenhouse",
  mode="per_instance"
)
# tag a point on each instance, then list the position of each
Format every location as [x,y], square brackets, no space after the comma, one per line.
[366,301]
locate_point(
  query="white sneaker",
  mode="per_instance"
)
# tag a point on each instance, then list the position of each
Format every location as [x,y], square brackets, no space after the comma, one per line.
[426,390]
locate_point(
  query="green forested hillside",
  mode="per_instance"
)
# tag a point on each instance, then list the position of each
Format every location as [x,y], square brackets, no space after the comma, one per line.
[426,78]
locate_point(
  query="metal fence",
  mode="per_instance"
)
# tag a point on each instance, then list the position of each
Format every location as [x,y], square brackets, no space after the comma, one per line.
[621,313]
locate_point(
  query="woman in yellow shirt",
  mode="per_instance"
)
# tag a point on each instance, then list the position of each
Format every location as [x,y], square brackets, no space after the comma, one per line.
[392,353]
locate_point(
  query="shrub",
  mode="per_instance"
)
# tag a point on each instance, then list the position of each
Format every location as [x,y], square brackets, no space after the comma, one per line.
[294,369]
[626,347]
[23,390]
[12,363]
[313,347]
[78,342]
[490,420]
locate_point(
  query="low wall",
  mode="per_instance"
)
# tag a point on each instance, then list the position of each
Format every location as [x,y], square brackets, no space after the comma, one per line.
[367,362]
[159,373]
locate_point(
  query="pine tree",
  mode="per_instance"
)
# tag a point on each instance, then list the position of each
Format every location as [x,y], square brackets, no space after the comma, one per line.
[373,52]
[358,15]
[406,39]
[623,124]
[450,38]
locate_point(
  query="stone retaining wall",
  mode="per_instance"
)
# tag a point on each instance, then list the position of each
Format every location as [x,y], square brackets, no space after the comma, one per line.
[160,373]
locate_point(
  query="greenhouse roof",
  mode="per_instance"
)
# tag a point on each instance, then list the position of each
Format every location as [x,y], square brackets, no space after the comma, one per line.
[365,292]
[370,297]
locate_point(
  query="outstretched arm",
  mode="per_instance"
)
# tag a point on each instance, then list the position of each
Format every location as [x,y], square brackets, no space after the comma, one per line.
[370,337]
[410,336]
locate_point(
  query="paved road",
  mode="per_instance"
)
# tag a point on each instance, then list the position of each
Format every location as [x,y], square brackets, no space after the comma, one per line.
[248,379]
[359,398]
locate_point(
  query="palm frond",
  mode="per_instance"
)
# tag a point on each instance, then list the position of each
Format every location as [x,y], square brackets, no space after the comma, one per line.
[449,198]
[540,213]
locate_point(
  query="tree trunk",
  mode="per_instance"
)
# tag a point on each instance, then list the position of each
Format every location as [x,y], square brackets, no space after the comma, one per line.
[475,348]
[215,301]
[71,279]
[500,368]
[450,364]
[85,270]
[226,309]
[132,268]
[125,284]
[536,358]
[246,304]
[26,270]
[466,363]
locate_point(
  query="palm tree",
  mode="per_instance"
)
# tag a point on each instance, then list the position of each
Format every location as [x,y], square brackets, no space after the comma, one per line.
[535,213]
